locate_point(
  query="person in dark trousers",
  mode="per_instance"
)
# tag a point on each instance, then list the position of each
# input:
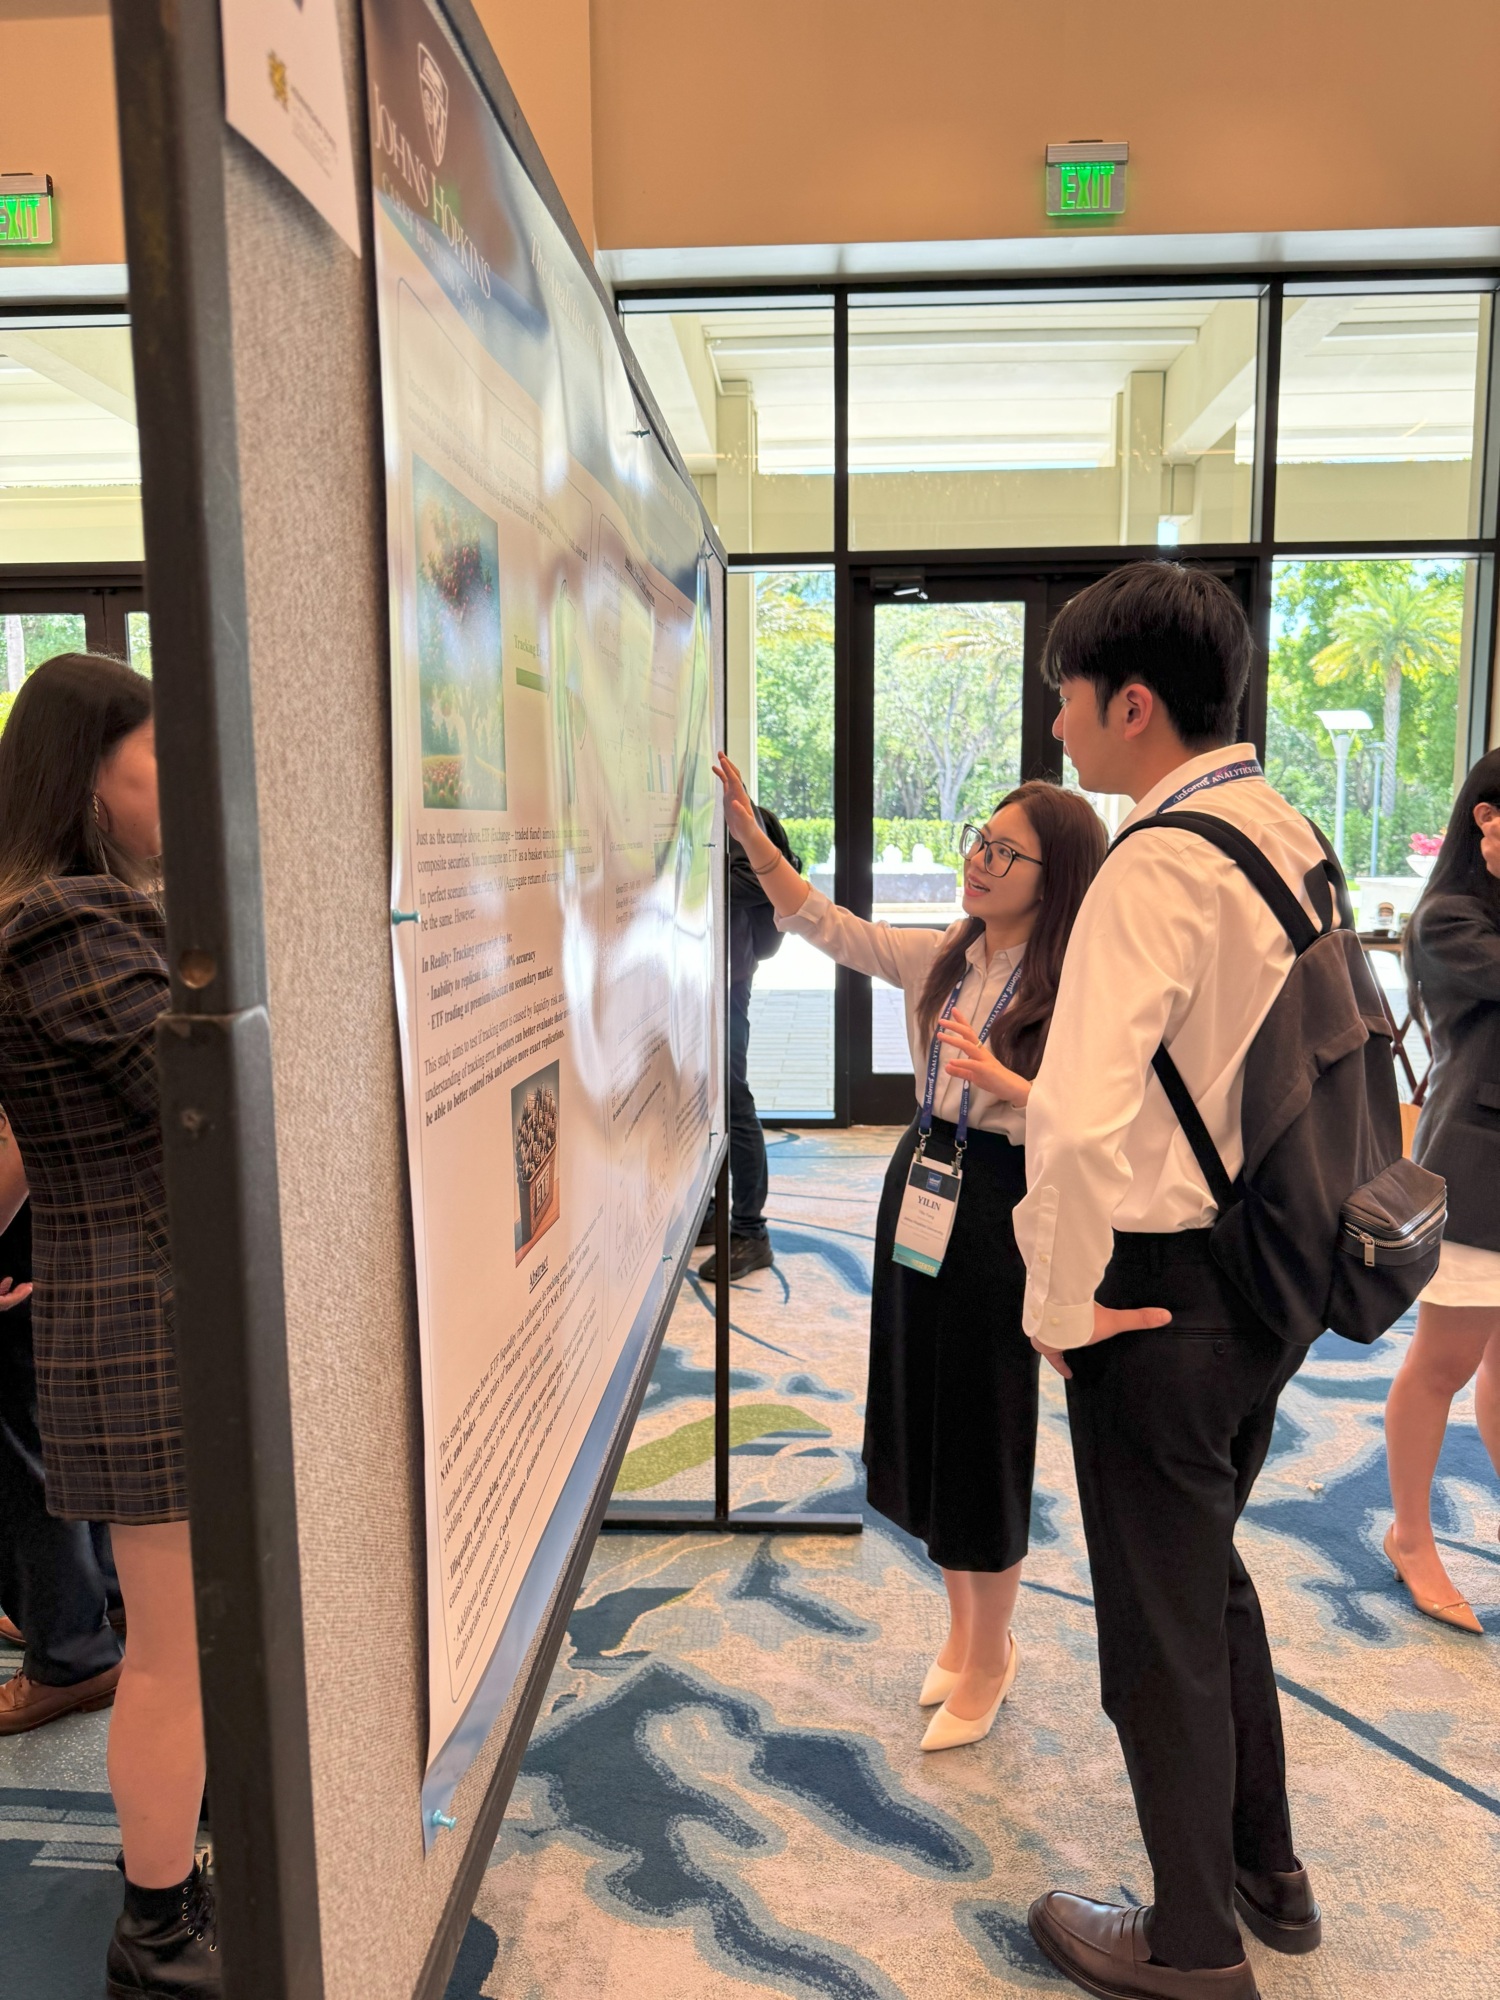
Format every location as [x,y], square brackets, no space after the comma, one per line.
[57,1578]
[1171,1422]
[753,938]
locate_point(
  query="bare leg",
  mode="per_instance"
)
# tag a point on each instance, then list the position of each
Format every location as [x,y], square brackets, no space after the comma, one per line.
[156,1733]
[1449,1344]
[1487,1399]
[992,1596]
[955,1647]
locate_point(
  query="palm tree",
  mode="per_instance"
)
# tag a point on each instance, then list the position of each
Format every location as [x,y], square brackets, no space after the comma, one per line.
[1402,623]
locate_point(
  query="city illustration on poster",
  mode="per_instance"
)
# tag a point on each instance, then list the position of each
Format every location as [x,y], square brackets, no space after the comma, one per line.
[555,601]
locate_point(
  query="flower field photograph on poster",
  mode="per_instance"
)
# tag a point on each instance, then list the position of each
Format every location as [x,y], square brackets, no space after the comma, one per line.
[460,662]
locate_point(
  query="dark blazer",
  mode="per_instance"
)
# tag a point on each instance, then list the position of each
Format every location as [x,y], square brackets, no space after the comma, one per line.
[83,979]
[1455,947]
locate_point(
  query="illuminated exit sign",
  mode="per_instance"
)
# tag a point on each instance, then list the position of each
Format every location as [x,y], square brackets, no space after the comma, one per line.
[25,211]
[1086,179]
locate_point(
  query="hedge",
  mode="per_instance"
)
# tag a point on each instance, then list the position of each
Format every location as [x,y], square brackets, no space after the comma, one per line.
[813,838]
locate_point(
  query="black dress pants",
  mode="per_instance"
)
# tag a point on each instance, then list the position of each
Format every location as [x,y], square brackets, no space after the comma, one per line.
[749,1175]
[57,1578]
[1170,1428]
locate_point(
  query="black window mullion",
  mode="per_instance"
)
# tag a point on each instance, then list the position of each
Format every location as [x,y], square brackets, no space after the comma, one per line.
[853,721]
[1263,508]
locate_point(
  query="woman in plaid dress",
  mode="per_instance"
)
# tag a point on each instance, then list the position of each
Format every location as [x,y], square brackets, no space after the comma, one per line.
[83,980]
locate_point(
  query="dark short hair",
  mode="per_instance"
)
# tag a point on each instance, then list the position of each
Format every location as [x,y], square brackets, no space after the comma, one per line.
[1178,631]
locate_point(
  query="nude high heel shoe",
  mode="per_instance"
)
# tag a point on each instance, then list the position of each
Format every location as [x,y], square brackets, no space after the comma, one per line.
[947,1731]
[1459,1612]
[939,1684]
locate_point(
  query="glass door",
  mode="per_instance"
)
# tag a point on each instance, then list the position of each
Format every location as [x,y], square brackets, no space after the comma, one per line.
[947,711]
[955,712]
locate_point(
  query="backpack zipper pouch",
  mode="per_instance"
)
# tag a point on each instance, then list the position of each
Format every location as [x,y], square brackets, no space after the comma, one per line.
[1397,1218]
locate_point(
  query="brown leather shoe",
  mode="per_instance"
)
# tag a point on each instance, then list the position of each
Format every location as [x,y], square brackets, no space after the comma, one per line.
[1104,1949]
[10,1631]
[1280,1908]
[27,1704]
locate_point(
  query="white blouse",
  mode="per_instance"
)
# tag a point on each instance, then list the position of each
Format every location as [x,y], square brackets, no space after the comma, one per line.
[903,956]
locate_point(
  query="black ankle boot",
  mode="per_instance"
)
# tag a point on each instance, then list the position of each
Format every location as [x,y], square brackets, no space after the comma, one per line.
[165,1946]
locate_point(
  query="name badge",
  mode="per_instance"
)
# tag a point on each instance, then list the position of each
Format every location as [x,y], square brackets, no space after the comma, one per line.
[926,1219]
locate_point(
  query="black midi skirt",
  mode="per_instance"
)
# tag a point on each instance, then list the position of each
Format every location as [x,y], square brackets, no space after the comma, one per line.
[951,1414]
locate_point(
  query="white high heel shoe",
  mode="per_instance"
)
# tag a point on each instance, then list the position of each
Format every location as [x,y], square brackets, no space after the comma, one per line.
[947,1731]
[939,1684]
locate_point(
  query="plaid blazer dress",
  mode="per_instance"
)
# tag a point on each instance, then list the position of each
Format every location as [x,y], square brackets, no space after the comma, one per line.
[83,979]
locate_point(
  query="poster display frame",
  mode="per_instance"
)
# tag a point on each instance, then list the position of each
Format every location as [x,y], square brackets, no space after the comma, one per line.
[214,1043]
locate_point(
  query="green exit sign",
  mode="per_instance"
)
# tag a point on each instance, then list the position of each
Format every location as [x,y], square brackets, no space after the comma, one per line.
[1086,179]
[25,211]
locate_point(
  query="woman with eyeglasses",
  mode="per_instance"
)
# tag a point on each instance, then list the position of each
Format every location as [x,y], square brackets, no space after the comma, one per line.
[951,1414]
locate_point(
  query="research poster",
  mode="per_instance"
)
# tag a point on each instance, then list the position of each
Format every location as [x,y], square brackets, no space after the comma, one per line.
[556,615]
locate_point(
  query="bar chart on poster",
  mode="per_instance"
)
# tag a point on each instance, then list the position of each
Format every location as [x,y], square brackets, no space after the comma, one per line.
[556,623]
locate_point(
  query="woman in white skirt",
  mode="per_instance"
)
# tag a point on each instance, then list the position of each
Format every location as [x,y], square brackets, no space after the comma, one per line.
[1453,966]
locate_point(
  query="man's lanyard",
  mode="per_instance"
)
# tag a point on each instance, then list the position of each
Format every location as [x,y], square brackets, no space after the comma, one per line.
[935,1056]
[1225,775]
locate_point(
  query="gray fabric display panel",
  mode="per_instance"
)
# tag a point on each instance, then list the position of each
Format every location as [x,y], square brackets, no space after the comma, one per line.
[271,483]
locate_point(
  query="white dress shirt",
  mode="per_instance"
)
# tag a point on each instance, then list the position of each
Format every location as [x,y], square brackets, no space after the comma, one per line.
[903,956]
[1172,943]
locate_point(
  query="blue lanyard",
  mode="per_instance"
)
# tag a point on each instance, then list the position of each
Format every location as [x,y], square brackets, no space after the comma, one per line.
[1225,775]
[935,1056]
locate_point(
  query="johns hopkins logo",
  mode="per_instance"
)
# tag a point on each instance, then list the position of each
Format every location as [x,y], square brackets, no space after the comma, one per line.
[434,101]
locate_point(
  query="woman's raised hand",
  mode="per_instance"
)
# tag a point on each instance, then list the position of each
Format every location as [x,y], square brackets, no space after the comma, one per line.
[974,1064]
[12,1294]
[739,813]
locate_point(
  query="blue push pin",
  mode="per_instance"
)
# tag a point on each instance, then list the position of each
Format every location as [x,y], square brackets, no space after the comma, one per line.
[444,1822]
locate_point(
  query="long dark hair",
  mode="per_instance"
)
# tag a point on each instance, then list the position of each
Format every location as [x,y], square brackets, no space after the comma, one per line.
[1460,869]
[69,715]
[1073,842]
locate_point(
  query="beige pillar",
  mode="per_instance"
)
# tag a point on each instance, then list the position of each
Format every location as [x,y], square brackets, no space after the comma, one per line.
[735,457]
[739,646]
[1141,408]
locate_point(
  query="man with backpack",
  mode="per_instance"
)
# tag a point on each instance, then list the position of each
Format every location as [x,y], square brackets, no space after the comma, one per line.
[1143,1193]
[753,938]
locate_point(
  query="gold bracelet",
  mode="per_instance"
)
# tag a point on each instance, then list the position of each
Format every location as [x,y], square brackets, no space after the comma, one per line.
[766,871]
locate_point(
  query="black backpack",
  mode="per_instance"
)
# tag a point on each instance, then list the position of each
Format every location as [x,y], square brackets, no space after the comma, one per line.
[1327,1226]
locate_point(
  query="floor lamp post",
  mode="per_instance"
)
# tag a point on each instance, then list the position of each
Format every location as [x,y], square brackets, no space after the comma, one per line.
[1341,723]
[1377,751]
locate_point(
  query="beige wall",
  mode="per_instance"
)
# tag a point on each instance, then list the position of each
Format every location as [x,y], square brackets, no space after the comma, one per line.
[773,121]
[543,46]
[57,116]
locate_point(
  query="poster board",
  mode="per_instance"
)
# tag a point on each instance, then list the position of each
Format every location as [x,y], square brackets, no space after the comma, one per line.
[554,624]
[258,385]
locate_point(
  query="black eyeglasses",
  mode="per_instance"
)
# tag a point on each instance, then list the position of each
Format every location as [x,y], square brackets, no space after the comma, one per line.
[999,856]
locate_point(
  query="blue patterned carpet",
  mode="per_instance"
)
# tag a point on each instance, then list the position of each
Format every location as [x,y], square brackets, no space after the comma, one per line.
[725,1790]
[725,1794]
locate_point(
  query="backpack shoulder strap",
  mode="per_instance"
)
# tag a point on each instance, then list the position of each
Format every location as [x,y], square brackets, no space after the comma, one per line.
[1197,1134]
[1250,860]
[1331,879]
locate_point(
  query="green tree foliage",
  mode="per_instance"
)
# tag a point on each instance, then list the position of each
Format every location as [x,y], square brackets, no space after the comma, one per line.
[794,692]
[947,708]
[1383,636]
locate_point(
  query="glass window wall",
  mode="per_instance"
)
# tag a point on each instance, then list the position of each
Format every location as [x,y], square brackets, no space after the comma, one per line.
[781,674]
[1380,410]
[1367,680]
[70,474]
[1085,422]
[748,395]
